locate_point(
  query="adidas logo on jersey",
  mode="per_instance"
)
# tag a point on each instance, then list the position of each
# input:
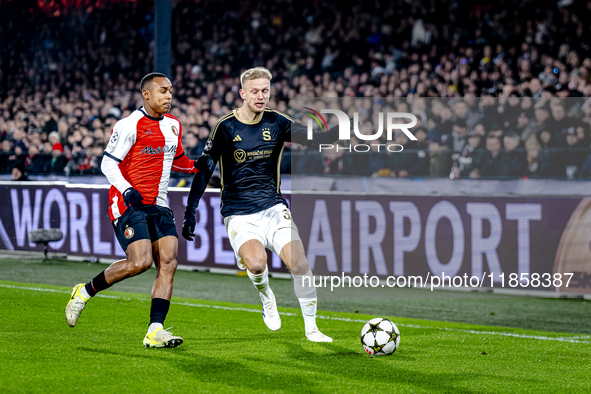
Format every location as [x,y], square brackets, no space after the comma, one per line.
[237,139]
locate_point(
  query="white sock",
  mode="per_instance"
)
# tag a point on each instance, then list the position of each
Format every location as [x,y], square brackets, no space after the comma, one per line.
[154,326]
[306,293]
[84,293]
[309,306]
[261,282]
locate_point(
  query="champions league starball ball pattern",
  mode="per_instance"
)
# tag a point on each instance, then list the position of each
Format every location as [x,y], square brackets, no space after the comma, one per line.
[380,337]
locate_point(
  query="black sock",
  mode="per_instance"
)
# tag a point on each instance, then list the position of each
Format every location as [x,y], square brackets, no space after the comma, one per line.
[159,310]
[98,283]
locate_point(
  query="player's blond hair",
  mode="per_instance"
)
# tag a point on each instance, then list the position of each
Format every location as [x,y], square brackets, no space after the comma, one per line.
[255,73]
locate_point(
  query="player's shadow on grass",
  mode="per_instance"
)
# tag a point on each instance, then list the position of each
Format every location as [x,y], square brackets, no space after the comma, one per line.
[238,338]
[265,374]
[141,352]
[385,370]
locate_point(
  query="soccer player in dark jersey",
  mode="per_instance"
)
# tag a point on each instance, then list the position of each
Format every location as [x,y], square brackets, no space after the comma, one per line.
[248,143]
[143,149]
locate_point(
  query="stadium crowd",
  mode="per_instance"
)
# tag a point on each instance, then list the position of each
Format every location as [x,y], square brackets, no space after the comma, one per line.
[69,71]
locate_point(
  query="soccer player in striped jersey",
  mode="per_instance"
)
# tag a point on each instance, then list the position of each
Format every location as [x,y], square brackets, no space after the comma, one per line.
[248,143]
[143,149]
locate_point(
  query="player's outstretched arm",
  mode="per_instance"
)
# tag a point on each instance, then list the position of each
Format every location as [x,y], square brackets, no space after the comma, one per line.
[182,163]
[205,166]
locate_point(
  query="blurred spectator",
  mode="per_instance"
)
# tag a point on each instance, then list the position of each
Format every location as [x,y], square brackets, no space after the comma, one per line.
[515,158]
[547,139]
[471,156]
[89,164]
[35,162]
[541,121]
[457,139]
[585,171]
[560,122]
[440,157]
[550,154]
[18,172]
[5,161]
[419,152]
[58,160]
[332,162]
[190,144]
[542,162]
[532,147]
[203,136]
[54,140]
[573,161]
[492,159]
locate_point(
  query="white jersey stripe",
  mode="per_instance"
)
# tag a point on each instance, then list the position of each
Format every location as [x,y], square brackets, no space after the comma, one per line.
[115,207]
[172,138]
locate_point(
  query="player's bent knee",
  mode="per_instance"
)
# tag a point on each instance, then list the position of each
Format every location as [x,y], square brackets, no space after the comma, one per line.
[254,260]
[300,267]
[170,265]
[256,266]
[140,264]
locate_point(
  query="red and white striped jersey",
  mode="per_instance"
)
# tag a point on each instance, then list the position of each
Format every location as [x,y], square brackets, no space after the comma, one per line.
[147,149]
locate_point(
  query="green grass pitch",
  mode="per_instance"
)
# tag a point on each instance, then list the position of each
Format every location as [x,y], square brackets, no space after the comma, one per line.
[228,349]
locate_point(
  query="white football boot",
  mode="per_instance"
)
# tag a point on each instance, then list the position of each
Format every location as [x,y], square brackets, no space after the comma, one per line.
[313,334]
[75,305]
[162,338]
[270,313]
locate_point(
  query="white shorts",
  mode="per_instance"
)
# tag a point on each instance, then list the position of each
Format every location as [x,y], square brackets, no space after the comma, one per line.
[273,227]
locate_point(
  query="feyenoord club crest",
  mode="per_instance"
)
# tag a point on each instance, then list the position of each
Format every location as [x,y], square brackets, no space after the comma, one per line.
[175,131]
[128,232]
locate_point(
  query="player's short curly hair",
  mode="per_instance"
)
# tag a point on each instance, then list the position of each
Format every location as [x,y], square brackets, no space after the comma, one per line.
[149,78]
[255,73]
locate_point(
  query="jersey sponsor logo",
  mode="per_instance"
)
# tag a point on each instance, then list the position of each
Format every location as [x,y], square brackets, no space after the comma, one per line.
[259,154]
[237,139]
[175,130]
[148,150]
[128,232]
[239,156]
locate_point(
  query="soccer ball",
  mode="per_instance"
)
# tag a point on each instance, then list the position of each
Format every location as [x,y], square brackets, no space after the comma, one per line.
[380,337]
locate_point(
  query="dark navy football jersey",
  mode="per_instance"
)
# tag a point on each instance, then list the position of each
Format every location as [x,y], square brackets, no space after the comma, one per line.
[249,154]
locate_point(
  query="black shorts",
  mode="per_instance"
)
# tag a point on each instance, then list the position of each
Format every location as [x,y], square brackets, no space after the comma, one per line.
[151,222]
